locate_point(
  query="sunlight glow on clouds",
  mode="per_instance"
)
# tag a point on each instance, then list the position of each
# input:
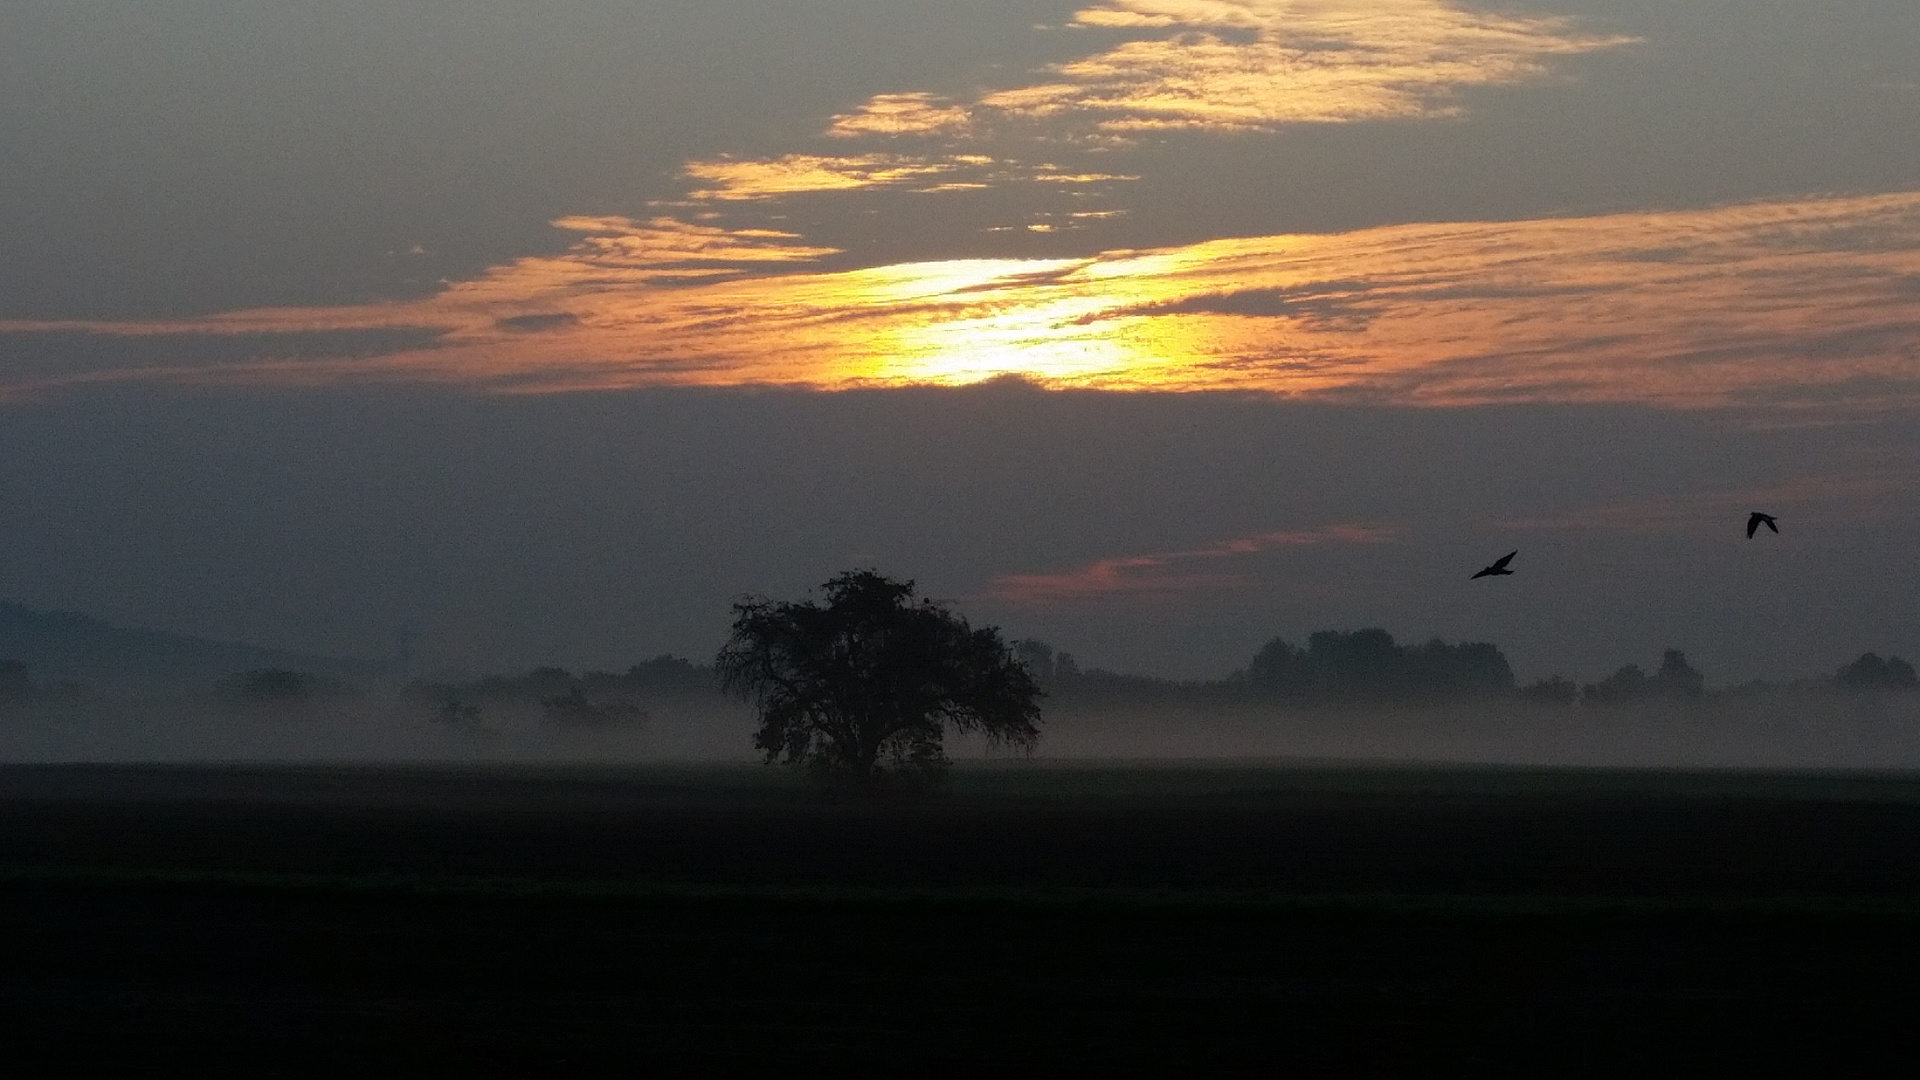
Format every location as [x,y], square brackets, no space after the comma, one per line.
[745,180]
[1810,302]
[670,248]
[901,114]
[1251,65]
[1219,65]
[797,173]
[1802,303]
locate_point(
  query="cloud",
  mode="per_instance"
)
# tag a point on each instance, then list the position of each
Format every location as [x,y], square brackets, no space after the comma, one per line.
[793,174]
[666,247]
[1222,65]
[1169,571]
[1802,304]
[901,114]
[759,179]
[1256,65]
[537,321]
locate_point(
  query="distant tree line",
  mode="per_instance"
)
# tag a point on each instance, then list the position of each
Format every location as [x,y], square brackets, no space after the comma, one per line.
[1332,667]
[279,686]
[591,697]
[1369,667]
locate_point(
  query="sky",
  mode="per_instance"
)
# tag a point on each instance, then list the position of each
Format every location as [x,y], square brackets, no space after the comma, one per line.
[1151,328]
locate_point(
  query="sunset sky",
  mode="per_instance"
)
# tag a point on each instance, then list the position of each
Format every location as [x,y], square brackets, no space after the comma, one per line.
[1152,328]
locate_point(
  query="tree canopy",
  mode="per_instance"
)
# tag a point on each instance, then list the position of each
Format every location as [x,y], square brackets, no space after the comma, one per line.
[861,688]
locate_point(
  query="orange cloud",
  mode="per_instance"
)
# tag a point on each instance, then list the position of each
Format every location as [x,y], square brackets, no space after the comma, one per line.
[738,179]
[901,114]
[1168,571]
[1810,302]
[1241,65]
[747,179]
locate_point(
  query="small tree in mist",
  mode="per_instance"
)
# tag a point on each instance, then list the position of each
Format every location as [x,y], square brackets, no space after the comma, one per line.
[15,685]
[1870,672]
[1629,683]
[1552,690]
[860,689]
[1677,678]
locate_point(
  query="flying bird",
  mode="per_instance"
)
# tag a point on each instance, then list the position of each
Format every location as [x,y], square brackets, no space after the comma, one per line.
[1499,566]
[1757,519]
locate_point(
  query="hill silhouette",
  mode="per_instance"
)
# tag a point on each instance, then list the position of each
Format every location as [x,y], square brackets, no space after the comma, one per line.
[65,646]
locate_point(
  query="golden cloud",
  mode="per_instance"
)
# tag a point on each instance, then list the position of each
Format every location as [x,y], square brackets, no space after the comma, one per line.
[750,179]
[901,114]
[1795,303]
[1241,65]
[741,179]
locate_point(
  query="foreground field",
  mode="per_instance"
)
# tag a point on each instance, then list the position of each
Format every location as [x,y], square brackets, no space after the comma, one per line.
[266,921]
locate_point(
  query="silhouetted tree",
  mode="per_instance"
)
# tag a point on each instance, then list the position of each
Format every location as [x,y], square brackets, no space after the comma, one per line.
[273,684]
[667,672]
[1370,665]
[1870,672]
[1676,678]
[1363,663]
[1626,684]
[456,713]
[1438,669]
[1280,669]
[1038,658]
[576,707]
[1553,690]
[864,686]
[14,683]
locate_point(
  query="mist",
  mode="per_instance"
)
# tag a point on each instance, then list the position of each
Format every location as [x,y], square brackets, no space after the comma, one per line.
[360,729]
[1793,727]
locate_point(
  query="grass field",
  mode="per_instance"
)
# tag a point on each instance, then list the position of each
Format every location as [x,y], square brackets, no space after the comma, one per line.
[257,921]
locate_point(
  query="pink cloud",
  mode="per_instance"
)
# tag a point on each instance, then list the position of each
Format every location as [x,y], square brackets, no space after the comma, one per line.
[1170,571]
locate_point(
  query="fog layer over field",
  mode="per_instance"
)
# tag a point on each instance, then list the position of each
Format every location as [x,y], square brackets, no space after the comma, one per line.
[1786,728]
[1782,730]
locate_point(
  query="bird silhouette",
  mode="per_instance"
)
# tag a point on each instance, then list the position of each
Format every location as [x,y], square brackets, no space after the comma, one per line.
[1499,566]
[1757,519]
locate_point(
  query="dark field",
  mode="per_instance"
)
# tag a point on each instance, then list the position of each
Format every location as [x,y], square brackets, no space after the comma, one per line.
[281,921]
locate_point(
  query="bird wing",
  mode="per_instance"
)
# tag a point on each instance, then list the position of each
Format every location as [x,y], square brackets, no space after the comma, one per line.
[1504,560]
[1753,525]
[1770,525]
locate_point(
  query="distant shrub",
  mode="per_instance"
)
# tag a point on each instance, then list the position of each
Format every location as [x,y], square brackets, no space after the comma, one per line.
[575,707]
[276,684]
[1629,683]
[1554,690]
[1675,681]
[456,713]
[14,683]
[1677,678]
[668,672]
[1870,672]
